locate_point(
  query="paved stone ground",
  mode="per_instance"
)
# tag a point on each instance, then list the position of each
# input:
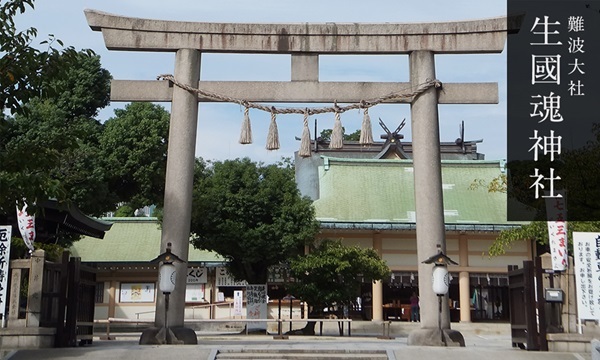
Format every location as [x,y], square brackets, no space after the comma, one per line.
[483,342]
[476,349]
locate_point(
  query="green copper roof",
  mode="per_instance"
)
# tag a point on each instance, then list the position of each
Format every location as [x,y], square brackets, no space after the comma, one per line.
[371,191]
[131,240]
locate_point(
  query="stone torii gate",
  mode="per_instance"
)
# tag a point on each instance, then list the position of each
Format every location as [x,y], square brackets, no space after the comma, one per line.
[305,42]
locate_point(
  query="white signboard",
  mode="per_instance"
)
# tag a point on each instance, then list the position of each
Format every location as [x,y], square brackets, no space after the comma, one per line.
[197,275]
[256,306]
[586,247]
[194,293]
[5,234]
[556,212]
[224,279]
[238,302]
[142,292]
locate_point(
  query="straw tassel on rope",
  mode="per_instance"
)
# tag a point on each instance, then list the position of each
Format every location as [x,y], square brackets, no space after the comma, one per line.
[305,140]
[337,134]
[246,133]
[273,136]
[366,132]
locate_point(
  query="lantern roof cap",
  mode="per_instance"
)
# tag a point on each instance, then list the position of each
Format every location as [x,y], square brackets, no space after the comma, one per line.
[167,256]
[440,259]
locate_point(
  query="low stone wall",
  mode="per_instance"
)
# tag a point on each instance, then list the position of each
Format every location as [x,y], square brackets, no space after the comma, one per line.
[31,338]
[580,343]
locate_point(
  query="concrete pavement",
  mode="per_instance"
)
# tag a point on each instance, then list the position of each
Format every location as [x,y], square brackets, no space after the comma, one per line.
[476,349]
[483,341]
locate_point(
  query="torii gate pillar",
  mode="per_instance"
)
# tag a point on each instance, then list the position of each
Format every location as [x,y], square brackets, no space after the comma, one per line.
[177,212]
[429,204]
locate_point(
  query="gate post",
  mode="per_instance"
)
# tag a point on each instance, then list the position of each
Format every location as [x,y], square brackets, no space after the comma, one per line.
[72,301]
[429,206]
[34,296]
[530,306]
[60,339]
[541,305]
[178,191]
[428,182]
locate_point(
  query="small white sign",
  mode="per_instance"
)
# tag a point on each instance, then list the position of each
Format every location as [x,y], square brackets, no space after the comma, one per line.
[238,300]
[194,293]
[586,247]
[5,235]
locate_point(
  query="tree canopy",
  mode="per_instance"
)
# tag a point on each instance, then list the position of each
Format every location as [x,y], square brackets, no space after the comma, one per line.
[332,273]
[583,168]
[534,230]
[23,65]
[134,147]
[326,135]
[51,145]
[50,150]
[251,214]
[53,92]
[538,231]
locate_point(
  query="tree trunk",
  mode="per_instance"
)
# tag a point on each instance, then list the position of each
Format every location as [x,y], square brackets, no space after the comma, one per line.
[309,328]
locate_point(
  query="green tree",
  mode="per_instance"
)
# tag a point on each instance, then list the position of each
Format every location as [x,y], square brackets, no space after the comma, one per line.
[538,232]
[34,78]
[583,195]
[583,168]
[51,149]
[326,135]
[23,66]
[125,211]
[134,146]
[355,136]
[50,144]
[26,165]
[83,87]
[251,214]
[331,274]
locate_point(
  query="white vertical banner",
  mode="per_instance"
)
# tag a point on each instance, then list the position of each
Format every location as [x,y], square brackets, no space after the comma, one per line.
[556,213]
[26,227]
[5,234]
[238,300]
[586,247]
[256,306]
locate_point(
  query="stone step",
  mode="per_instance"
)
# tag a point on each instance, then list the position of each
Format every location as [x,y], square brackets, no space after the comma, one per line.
[258,356]
[300,354]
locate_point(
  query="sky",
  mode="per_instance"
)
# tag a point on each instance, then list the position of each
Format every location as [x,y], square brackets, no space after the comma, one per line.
[219,124]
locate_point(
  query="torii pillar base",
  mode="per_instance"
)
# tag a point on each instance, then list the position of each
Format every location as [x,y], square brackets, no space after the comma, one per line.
[433,337]
[176,336]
